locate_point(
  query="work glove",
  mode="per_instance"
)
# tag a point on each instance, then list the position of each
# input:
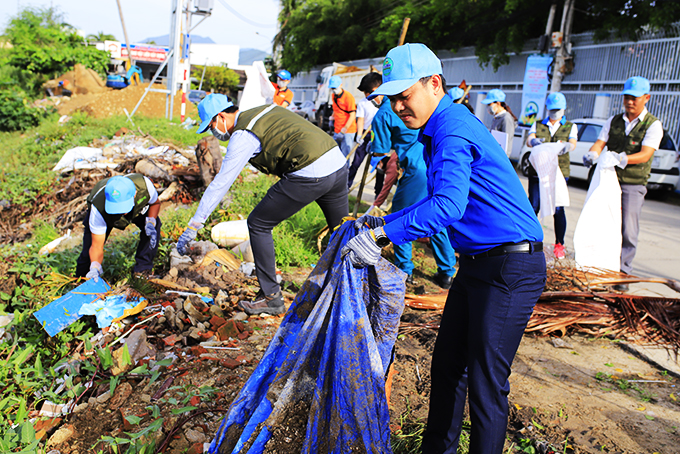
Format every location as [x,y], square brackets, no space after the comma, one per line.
[188,236]
[623,159]
[589,158]
[568,146]
[536,142]
[362,250]
[96,270]
[150,230]
[371,221]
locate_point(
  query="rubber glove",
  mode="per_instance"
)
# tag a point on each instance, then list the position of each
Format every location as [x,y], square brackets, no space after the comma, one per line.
[96,270]
[371,221]
[567,148]
[362,250]
[536,142]
[623,159]
[589,158]
[150,230]
[358,140]
[188,236]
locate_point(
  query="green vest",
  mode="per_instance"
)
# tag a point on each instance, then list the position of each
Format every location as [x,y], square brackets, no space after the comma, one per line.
[288,141]
[97,198]
[562,133]
[632,143]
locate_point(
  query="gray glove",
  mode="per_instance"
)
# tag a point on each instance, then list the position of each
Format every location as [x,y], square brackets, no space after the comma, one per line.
[150,230]
[536,142]
[96,270]
[358,140]
[623,159]
[567,148]
[362,250]
[371,221]
[589,158]
[188,236]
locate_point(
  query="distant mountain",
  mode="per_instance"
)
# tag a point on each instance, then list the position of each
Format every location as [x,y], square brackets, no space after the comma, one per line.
[165,40]
[248,56]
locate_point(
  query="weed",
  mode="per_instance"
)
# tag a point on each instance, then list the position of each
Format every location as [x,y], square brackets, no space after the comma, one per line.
[624,386]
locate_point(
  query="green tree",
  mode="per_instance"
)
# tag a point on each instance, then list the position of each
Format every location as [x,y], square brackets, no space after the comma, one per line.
[100,37]
[44,47]
[219,79]
[322,31]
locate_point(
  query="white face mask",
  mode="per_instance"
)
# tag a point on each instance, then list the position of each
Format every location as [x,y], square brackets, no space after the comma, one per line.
[556,114]
[491,109]
[219,135]
[282,83]
[337,91]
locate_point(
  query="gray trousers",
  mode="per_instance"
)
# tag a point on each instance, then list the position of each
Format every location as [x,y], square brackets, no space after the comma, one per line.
[632,198]
[288,196]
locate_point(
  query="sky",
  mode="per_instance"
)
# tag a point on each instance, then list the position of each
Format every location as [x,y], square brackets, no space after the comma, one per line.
[151,18]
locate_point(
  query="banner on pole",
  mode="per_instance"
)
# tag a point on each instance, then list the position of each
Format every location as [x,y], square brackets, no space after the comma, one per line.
[535,88]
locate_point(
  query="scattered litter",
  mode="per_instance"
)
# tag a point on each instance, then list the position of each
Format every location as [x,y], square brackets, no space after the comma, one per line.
[4,321]
[206,299]
[52,245]
[230,233]
[112,309]
[52,410]
[247,268]
[560,343]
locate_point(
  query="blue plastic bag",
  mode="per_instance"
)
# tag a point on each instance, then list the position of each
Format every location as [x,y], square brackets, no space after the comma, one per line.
[320,386]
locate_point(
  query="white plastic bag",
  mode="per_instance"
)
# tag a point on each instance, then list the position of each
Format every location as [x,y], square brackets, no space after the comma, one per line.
[597,238]
[552,185]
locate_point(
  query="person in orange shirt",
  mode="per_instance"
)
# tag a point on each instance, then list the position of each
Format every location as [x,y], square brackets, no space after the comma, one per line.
[283,96]
[344,113]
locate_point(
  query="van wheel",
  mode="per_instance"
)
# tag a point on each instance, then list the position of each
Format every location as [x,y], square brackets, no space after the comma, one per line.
[524,164]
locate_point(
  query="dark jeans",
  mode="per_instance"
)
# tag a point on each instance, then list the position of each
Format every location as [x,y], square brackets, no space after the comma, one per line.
[486,312]
[359,155]
[288,196]
[559,219]
[143,258]
[632,199]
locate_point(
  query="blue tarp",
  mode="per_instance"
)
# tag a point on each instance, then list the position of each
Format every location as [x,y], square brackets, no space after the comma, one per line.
[320,386]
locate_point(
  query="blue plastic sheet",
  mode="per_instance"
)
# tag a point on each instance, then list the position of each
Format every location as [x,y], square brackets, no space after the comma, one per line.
[108,309]
[320,386]
[62,312]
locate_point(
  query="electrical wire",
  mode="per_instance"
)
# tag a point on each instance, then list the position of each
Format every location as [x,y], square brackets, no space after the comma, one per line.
[243,18]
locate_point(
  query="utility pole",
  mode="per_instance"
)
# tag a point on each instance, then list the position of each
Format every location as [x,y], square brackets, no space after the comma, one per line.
[564,51]
[127,41]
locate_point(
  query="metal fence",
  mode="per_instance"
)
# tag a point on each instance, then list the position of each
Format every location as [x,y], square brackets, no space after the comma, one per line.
[598,68]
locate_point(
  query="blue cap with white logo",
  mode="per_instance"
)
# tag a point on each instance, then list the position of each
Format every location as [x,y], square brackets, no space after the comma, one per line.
[404,66]
[283,75]
[494,95]
[456,93]
[335,82]
[119,195]
[636,86]
[211,105]
[556,101]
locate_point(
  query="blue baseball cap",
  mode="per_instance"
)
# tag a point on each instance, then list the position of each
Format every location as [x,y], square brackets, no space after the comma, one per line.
[211,105]
[456,93]
[636,86]
[335,82]
[556,101]
[404,66]
[494,95]
[283,75]
[119,195]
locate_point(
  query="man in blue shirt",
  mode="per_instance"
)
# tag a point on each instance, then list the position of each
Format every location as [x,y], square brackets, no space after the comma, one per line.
[391,133]
[474,193]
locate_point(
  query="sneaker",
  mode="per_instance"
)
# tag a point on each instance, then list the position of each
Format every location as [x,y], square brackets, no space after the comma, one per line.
[620,287]
[558,251]
[263,304]
[410,280]
[443,280]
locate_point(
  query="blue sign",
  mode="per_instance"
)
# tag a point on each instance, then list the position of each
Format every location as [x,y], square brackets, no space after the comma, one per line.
[535,89]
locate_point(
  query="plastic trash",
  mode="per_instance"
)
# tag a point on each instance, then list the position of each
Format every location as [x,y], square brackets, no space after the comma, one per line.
[244,250]
[112,309]
[552,184]
[230,233]
[326,366]
[62,312]
[52,245]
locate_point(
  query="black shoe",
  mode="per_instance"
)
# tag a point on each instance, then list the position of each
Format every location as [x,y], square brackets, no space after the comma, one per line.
[620,287]
[443,280]
[410,280]
[263,304]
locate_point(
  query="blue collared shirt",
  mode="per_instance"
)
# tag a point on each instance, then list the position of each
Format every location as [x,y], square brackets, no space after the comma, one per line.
[473,190]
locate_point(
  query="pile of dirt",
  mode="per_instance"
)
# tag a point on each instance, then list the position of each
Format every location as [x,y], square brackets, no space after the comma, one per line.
[80,81]
[111,102]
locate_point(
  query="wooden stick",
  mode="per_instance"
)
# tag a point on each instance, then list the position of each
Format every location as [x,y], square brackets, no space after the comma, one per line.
[367,164]
[356,145]
[404,28]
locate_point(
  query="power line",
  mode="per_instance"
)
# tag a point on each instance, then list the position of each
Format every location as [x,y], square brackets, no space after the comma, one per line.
[243,18]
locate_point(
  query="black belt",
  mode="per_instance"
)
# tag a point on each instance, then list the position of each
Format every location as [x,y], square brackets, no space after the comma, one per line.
[521,248]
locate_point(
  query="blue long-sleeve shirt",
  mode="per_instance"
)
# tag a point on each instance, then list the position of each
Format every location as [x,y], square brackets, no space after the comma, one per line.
[473,189]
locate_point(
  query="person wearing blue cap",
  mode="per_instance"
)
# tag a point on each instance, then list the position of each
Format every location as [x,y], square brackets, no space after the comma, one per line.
[503,118]
[344,115]
[283,95]
[474,193]
[278,142]
[635,135]
[458,96]
[117,202]
[553,128]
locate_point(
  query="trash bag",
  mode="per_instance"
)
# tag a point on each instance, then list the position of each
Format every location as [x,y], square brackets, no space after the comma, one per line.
[320,386]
